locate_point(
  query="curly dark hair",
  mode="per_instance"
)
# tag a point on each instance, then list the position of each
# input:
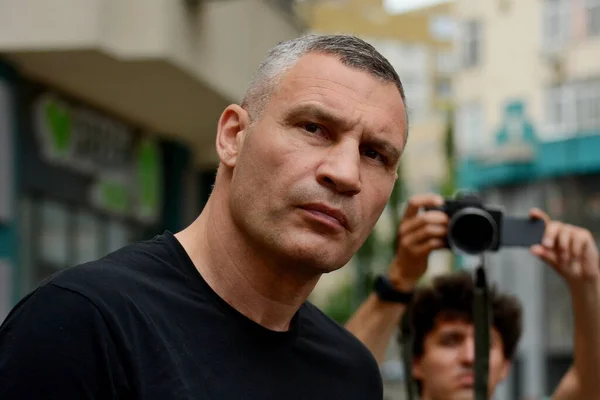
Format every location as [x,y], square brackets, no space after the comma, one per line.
[450,297]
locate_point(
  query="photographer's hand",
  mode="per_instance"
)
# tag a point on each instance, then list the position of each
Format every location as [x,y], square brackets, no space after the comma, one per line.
[375,320]
[569,249]
[573,253]
[418,235]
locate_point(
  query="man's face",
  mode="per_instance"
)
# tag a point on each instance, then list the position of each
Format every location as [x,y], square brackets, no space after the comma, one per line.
[317,167]
[446,366]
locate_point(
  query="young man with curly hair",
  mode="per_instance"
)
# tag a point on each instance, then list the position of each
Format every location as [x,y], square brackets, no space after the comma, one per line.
[442,322]
[442,332]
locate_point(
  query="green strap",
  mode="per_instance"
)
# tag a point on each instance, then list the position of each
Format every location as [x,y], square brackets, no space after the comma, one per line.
[406,344]
[481,320]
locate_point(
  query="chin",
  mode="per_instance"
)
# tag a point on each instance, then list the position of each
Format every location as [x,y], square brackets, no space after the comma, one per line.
[464,394]
[321,258]
[320,262]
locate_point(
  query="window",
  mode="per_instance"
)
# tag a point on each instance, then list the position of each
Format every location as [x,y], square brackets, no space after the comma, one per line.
[63,235]
[593,17]
[443,88]
[554,112]
[556,24]
[560,116]
[471,43]
[587,106]
[54,241]
[88,239]
[470,129]
[572,108]
[118,235]
[584,108]
[441,27]
[445,62]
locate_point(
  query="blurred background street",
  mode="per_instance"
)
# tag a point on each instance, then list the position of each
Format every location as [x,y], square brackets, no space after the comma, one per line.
[108,113]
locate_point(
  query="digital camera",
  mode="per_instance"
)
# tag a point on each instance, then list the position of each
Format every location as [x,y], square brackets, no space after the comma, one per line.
[475,228]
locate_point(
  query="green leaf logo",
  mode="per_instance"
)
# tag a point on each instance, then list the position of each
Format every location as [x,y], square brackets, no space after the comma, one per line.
[59,122]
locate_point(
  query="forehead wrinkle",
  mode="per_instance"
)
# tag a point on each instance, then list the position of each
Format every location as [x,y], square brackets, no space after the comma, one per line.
[321,91]
[321,112]
[367,89]
[384,133]
[343,76]
[317,92]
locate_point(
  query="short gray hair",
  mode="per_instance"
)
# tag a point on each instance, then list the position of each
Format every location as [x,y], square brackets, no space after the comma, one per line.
[352,52]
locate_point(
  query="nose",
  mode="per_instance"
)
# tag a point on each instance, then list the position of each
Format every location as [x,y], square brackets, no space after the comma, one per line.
[467,353]
[340,168]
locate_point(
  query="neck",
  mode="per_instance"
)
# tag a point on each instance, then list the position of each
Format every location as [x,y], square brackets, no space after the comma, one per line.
[254,283]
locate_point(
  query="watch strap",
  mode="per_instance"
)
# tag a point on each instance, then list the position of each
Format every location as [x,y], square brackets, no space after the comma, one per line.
[386,291]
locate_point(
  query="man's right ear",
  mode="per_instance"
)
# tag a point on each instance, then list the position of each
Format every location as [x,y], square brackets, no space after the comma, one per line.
[231,132]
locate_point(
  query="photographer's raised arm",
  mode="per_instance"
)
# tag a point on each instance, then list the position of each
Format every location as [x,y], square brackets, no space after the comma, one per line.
[419,234]
[374,324]
[573,253]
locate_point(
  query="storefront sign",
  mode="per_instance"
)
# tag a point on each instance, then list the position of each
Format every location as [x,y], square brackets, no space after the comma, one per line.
[6,154]
[126,168]
[81,138]
[515,140]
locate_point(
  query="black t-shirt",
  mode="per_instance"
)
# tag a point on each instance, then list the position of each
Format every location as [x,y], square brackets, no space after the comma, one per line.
[141,323]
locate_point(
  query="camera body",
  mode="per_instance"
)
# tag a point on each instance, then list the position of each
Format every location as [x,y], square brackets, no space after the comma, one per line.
[475,228]
[472,228]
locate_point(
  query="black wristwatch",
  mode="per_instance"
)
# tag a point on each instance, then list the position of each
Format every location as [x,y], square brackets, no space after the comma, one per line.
[387,292]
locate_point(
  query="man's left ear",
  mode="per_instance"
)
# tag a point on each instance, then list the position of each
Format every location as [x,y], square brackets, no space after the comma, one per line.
[230,133]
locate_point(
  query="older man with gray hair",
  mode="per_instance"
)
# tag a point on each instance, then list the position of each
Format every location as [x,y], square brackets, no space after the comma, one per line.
[219,310]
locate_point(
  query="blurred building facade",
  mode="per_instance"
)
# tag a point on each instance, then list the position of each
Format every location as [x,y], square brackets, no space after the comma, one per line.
[108,113]
[528,134]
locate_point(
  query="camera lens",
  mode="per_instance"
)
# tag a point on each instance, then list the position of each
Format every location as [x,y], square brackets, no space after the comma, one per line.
[472,231]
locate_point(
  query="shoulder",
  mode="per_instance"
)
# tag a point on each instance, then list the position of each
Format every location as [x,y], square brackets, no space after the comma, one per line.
[338,339]
[123,279]
[98,294]
[53,336]
[55,314]
[131,267]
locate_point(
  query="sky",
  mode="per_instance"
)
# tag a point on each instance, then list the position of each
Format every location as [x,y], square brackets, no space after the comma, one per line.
[395,6]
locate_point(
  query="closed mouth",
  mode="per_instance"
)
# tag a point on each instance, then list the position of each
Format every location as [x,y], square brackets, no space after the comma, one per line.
[329,211]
